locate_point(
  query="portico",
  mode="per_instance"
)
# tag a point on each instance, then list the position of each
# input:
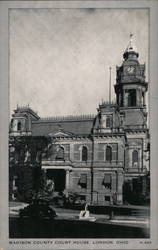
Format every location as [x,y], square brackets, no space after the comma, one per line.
[60,174]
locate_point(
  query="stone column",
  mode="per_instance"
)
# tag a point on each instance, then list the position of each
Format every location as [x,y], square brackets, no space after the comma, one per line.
[137,97]
[125,98]
[143,98]
[14,126]
[140,97]
[29,124]
[140,163]
[114,182]
[120,188]
[120,99]
[67,179]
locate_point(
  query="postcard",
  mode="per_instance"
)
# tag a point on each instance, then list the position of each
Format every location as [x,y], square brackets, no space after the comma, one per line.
[78,124]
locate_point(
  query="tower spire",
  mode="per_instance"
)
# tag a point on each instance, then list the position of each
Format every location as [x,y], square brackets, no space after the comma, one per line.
[130,42]
[131,48]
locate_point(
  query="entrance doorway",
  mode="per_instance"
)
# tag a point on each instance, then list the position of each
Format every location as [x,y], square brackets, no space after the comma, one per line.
[58,176]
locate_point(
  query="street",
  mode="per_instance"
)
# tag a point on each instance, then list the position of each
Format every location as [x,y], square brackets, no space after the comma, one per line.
[66,225]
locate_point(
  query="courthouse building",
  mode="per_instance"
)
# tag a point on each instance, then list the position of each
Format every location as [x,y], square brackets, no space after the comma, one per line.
[97,155]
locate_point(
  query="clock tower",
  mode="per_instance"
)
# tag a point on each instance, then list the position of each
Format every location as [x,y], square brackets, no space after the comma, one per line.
[131,88]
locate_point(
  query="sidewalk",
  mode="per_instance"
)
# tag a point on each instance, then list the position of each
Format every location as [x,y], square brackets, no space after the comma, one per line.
[15,207]
[16,204]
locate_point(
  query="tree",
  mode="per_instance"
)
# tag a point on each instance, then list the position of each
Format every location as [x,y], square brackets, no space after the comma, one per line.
[25,158]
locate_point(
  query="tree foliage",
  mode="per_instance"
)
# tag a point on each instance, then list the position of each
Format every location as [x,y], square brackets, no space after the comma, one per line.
[25,158]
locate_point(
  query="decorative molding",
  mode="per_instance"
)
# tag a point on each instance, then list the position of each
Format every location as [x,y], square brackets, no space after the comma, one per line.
[60,133]
[67,118]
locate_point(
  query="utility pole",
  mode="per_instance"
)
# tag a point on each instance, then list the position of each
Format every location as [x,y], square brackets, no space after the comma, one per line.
[92,170]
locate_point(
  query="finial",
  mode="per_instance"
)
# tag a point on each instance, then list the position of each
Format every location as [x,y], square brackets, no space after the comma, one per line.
[130,43]
[131,34]
[131,47]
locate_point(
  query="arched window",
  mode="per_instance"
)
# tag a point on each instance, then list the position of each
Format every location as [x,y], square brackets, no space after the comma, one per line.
[135,158]
[19,126]
[84,153]
[108,122]
[108,154]
[60,153]
[132,97]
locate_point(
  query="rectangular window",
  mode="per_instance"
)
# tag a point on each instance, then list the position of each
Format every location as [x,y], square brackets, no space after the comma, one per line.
[107,198]
[108,153]
[83,181]
[131,97]
[107,181]
[109,121]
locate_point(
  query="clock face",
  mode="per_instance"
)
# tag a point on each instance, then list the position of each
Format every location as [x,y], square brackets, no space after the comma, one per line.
[130,69]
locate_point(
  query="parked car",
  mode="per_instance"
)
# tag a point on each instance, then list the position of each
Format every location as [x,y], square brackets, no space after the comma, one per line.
[75,201]
[38,208]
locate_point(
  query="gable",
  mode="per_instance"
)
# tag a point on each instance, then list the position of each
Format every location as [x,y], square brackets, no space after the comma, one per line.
[60,133]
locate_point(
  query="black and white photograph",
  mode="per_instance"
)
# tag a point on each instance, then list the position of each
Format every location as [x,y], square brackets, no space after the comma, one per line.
[79,136]
[73,174]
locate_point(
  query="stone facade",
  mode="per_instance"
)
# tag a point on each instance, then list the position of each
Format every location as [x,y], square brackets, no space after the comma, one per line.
[96,155]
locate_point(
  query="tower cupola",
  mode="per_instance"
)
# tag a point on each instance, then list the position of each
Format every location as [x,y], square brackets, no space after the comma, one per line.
[131,50]
[131,87]
[21,121]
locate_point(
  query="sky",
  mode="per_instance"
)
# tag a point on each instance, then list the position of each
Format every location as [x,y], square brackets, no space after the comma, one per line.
[60,58]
